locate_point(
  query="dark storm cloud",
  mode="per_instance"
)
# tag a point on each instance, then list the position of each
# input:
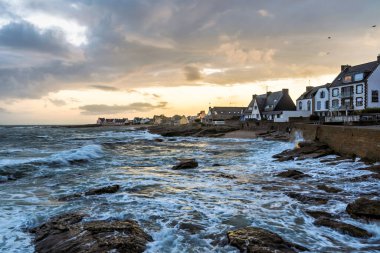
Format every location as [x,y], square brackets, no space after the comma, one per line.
[100,109]
[192,73]
[147,42]
[25,36]
[104,87]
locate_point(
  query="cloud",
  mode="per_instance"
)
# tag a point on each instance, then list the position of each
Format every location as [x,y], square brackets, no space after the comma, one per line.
[25,36]
[192,73]
[264,13]
[2,110]
[57,102]
[104,87]
[100,109]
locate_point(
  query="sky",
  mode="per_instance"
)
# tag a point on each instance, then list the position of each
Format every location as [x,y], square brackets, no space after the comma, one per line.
[72,61]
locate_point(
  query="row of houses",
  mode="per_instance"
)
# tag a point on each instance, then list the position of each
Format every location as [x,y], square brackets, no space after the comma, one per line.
[355,89]
[123,121]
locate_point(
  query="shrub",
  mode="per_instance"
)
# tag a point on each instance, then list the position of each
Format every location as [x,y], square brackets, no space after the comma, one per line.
[371,110]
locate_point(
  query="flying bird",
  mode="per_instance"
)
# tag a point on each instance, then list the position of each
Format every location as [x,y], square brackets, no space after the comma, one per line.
[329,37]
[374,26]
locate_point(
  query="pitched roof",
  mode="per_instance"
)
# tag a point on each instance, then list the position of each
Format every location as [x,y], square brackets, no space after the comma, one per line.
[311,93]
[226,112]
[272,101]
[365,68]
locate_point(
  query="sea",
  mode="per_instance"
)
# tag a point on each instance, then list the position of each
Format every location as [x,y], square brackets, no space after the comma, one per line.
[40,164]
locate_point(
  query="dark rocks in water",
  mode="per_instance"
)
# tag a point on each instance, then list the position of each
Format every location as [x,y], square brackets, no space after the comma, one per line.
[305,150]
[253,239]
[192,130]
[375,169]
[97,191]
[364,178]
[328,188]
[192,228]
[228,176]
[103,190]
[186,164]
[318,214]
[68,233]
[343,227]
[307,199]
[216,165]
[172,139]
[158,140]
[364,208]
[294,174]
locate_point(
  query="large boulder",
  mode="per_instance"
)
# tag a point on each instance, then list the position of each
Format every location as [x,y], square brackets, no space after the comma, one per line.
[186,164]
[364,208]
[254,239]
[318,214]
[305,150]
[374,168]
[294,174]
[68,233]
[343,227]
[96,191]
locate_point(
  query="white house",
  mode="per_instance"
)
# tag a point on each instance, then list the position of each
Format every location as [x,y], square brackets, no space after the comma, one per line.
[321,100]
[355,88]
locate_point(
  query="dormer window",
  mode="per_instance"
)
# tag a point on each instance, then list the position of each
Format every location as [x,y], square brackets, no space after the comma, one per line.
[359,77]
[347,79]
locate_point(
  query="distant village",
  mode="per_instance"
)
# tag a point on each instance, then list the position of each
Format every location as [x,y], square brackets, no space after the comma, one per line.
[352,97]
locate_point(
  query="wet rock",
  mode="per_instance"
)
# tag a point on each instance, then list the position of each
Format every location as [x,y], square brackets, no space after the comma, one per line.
[192,130]
[158,140]
[190,227]
[318,214]
[364,208]
[343,227]
[307,199]
[97,191]
[68,233]
[216,165]
[228,176]
[253,239]
[294,174]
[328,188]
[305,150]
[186,164]
[103,190]
[375,169]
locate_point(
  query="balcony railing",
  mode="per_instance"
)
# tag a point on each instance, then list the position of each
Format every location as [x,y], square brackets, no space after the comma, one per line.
[347,94]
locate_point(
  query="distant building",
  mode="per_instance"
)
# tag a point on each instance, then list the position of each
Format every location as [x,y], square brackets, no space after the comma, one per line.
[161,120]
[112,122]
[201,116]
[274,106]
[219,115]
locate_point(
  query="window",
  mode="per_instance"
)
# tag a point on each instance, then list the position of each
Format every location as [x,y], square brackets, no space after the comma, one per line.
[359,77]
[359,89]
[335,103]
[319,105]
[347,79]
[257,116]
[322,94]
[327,105]
[335,92]
[347,91]
[278,116]
[309,105]
[256,107]
[300,105]
[359,101]
[375,96]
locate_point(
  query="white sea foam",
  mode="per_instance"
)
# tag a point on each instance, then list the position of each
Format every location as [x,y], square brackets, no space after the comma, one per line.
[84,153]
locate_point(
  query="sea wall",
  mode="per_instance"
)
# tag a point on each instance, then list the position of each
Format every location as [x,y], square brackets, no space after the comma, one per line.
[346,140]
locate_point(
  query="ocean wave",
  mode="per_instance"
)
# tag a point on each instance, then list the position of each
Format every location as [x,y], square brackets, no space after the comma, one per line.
[82,154]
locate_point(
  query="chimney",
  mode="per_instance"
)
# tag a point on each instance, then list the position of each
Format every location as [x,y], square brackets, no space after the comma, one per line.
[268,93]
[309,88]
[378,58]
[344,67]
[285,91]
[254,96]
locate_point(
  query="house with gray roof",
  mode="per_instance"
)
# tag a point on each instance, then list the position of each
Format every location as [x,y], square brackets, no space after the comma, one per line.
[356,88]
[270,106]
[220,114]
[315,100]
